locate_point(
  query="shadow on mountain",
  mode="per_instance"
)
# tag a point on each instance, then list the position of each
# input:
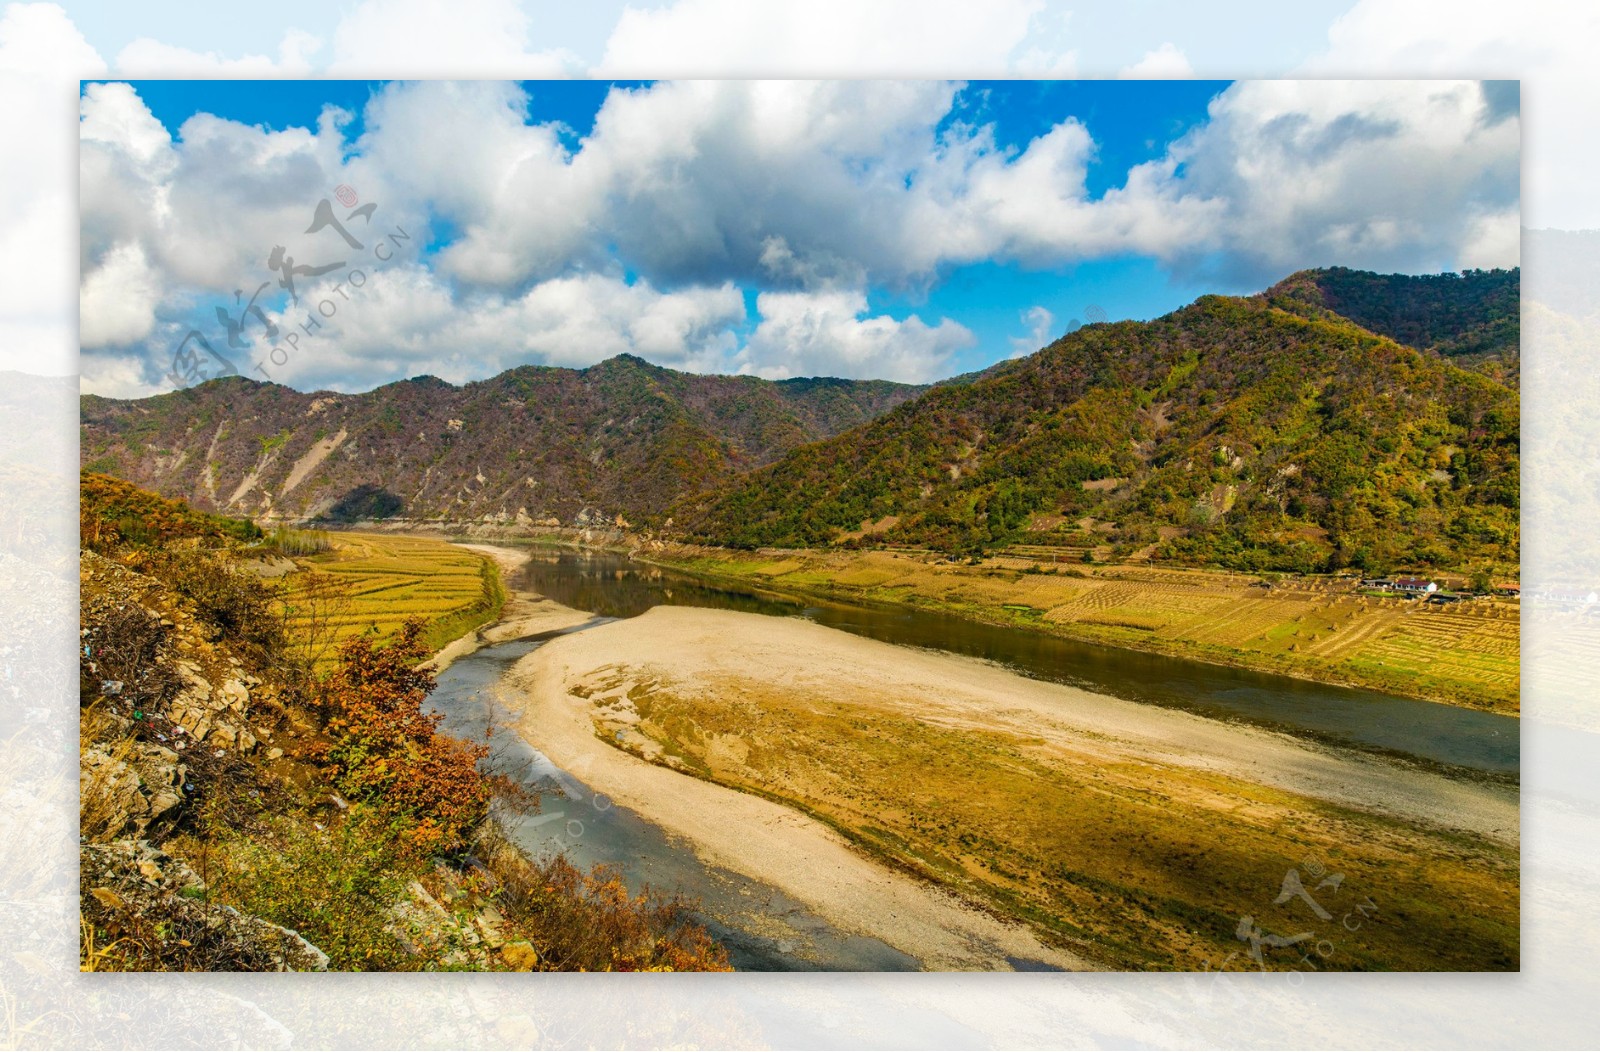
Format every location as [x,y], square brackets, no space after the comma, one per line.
[365,502]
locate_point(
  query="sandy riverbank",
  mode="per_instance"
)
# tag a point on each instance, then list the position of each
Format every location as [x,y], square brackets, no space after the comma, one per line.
[565,685]
[524,614]
[771,843]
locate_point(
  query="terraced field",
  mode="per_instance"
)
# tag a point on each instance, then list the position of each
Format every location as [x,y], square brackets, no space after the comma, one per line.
[379,581]
[1466,653]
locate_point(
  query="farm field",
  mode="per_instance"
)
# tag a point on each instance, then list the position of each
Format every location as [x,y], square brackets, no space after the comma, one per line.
[1465,653]
[372,583]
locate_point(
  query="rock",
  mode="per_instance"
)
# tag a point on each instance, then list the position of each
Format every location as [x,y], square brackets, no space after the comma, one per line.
[520,956]
[163,802]
[234,695]
[489,928]
[125,793]
[274,754]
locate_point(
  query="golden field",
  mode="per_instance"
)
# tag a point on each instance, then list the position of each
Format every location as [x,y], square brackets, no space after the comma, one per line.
[372,583]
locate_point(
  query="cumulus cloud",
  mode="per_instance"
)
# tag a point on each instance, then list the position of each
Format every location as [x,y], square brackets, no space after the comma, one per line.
[144,57]
[489,38]
[119,375]
[41,53]
[829,334]
[812,193]
[466,152]
[1381,175]
[1163,62]
[118,299]
[404,320]
[1039,321]
[788,38]
[1549,41]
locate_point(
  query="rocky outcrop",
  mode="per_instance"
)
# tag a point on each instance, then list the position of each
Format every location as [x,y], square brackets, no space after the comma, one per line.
[125,790]
[165,670]
[156,905]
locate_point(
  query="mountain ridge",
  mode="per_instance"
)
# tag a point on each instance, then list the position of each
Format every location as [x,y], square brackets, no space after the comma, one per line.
[1232,431]
[621,437]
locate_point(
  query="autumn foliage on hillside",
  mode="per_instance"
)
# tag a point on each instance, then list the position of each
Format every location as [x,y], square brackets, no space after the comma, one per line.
[387,752]
[112,512]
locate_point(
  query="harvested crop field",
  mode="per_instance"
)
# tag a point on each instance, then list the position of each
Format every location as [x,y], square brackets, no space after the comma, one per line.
[379,581]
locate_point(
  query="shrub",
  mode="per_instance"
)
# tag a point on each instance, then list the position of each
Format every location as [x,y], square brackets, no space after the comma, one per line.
[386,751]
[335,886]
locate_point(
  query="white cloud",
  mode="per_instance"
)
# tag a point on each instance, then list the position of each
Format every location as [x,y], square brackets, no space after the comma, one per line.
[1163,62]
[828,334]
[1381,175]
[820,38]
[114,116]
[124,375]
[466,152]
[483,38]
[1039,321]
[1547,43]
[810,190]
[40,40]
[147,58]
[404,321]
[118,299]
[1494,240]
[42,55]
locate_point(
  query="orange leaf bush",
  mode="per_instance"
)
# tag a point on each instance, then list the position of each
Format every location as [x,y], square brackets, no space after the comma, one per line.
[386,752]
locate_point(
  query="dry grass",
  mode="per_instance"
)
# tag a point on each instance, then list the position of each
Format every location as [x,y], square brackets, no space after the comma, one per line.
[1137,863]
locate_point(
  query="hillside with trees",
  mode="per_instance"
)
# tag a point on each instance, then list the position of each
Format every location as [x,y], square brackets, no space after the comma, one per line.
[533,444]
[1232,432]
[1471,318]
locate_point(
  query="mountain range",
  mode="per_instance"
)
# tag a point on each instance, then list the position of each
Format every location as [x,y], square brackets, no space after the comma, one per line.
[1339,418]
[534,444]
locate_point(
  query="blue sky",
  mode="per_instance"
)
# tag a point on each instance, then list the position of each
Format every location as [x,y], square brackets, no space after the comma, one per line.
[902,229]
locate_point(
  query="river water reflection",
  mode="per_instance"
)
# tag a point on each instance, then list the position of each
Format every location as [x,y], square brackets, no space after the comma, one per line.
[613,585]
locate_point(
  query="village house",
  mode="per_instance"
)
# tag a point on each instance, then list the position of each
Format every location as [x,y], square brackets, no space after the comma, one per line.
[1415,585]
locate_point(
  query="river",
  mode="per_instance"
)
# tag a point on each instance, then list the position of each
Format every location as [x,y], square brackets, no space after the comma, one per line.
[763,929]
[766,930]
[612,585]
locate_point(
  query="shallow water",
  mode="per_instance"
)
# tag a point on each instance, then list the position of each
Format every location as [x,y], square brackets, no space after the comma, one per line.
[612,585]
[763,929]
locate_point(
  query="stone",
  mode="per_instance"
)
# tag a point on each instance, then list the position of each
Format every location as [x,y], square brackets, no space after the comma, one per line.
[490,930]
[234,695]
[274,754]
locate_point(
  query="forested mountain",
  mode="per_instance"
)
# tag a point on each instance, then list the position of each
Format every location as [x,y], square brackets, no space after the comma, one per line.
[1471,317]
[623,437]
[1262,432]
